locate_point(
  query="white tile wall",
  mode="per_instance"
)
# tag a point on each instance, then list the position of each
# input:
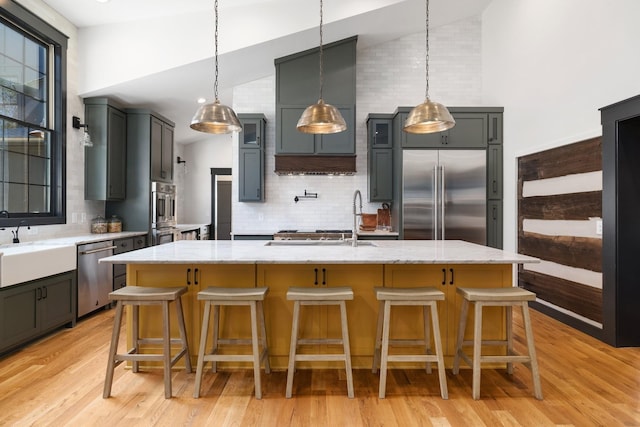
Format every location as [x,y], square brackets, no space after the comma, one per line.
[388,75]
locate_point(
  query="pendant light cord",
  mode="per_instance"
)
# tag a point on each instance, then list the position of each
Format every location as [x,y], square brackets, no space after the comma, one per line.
[321,64]
[426,95]
[215,85]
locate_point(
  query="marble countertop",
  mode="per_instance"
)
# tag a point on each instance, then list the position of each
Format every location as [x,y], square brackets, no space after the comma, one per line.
[368,252]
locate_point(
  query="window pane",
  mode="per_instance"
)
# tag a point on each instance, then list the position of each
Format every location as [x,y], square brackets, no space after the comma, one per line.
[17,198]
[14,45]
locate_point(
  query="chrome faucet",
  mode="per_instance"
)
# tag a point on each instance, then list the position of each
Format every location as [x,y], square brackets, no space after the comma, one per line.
[16,239]
[354,233]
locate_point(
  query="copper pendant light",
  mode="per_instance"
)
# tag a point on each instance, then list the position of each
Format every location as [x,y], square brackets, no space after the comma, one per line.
[429,116]
[321,118]
[216,117]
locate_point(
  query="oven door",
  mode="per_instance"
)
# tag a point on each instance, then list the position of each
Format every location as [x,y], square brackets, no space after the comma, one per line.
[160,236]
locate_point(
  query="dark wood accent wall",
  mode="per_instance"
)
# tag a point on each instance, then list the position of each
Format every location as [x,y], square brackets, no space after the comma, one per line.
[574,299]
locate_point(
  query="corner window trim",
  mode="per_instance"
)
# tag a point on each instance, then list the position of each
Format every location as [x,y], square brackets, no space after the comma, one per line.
[15,14]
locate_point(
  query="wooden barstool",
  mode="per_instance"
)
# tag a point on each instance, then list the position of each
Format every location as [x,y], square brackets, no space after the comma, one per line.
[217,297]
[135,296]
[427,298]
[496,297]
[319,296]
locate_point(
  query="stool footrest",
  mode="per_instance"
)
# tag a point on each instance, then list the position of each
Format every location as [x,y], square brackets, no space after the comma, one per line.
[238,341]
[320,357]
[407,342]
[412,358]
[311,341]
[232,357]
[148,341]
[487,343]
[506,359]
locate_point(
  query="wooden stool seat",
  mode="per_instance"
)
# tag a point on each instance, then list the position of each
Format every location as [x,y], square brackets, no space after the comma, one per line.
[425,297]
[217,297]
[496,297]
[136,296]
[319,296]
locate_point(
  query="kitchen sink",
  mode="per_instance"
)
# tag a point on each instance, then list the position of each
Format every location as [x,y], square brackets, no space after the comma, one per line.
[317,243]
[22,262]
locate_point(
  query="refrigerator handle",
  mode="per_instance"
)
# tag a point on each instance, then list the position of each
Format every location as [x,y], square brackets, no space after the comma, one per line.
[442,202]
[435,202]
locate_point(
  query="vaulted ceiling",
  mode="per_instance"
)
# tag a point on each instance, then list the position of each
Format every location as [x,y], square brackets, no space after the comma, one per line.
[158,54]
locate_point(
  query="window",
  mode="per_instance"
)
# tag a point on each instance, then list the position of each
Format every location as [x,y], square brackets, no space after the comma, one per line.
[32,132]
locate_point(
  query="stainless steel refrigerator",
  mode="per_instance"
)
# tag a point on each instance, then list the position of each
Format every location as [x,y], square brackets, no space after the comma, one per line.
[444,195]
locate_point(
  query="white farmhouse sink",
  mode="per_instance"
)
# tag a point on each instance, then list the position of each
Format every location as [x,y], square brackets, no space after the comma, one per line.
[23,262]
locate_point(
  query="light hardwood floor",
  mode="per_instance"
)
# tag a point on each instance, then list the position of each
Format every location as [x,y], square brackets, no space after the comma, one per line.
[58,381]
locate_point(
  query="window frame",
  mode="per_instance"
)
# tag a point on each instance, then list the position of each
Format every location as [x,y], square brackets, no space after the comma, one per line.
[16,15]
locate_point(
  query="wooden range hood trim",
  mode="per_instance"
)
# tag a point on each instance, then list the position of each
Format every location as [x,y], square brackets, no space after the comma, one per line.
[315,165]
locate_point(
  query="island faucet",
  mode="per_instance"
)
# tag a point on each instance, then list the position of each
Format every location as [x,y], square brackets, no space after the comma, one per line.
[16,239]
[354,233]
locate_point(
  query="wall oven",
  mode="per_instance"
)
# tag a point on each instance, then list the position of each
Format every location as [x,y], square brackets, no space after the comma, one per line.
[163,210]
[163,213]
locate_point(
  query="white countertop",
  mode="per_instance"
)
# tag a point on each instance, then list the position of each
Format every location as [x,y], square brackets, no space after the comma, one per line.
[371,252]
[90,238]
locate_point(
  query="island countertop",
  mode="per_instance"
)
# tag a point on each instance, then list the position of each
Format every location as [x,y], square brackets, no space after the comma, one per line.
[299,252]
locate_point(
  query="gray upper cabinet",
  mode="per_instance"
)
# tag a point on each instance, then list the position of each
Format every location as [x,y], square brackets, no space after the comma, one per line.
[150,132]
[251,147]
[297,87]
[105,160]
[380,157]
[161,150]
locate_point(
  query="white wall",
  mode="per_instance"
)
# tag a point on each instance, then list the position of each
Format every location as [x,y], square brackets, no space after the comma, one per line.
[388,76]
[552,64]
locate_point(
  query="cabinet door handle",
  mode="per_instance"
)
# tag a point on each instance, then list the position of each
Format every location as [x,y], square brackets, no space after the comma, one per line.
[495,186]
[315,282]
[188,276]
[451,270]
[38,294]
[324,276]
[44,292]
[195,276]
[444,276]
[258,192]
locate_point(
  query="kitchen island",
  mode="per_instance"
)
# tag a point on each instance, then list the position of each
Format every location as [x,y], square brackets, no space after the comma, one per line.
[279,265]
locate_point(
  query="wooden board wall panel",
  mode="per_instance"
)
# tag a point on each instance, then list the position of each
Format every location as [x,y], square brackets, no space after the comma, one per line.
[578,252]
[574,206]
[580,299]
[579,157]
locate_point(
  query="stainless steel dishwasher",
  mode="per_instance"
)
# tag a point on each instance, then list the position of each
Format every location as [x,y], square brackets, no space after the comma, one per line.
[95,280]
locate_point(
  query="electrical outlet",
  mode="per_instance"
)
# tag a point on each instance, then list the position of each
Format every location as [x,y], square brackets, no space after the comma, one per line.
[599,227]
[83,217]
[74,218]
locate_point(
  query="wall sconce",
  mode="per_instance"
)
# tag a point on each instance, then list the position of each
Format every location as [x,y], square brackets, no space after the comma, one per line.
[86,138]
[183,161]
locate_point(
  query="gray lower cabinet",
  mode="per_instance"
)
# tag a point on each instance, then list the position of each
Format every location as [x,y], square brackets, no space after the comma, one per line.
[105,160]
[30,310]
[251,157]
[494,223]
[122,246]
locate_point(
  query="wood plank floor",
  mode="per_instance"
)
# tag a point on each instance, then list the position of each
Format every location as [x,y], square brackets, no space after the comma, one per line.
[58,381]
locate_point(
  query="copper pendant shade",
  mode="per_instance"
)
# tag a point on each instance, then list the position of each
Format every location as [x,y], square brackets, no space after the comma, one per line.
[321,118]
[429,116]
[215,117]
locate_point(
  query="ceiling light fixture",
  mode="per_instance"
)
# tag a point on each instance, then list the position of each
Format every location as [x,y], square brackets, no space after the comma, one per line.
[321,118]
[215,117]
[429,116]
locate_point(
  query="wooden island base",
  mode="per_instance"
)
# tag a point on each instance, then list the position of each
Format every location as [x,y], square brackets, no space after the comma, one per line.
[324,321]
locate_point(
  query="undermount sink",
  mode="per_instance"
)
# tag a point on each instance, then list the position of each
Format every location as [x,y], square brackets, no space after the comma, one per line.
[22,262]
[317,243]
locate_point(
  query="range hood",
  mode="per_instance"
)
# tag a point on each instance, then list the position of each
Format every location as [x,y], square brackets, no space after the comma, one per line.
[315,164]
